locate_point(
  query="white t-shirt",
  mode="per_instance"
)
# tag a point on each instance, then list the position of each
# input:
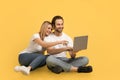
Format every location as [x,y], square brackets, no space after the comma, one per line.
[53,38]
[33,47]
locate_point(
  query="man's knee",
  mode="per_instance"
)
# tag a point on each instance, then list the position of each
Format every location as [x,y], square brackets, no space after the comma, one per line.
[50,59]
[85,60]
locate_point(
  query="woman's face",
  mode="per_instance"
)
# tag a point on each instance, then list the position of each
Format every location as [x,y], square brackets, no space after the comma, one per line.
[48,30]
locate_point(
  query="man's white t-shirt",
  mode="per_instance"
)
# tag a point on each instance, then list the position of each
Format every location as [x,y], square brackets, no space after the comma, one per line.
[33,47]
[53,38]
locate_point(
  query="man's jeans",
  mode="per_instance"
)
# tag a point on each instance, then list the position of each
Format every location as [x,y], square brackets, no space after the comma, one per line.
[66,63]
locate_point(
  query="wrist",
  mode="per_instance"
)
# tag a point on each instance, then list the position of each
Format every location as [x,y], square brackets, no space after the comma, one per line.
[59,42]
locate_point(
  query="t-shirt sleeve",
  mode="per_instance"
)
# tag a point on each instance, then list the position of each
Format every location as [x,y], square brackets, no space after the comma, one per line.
[35,36]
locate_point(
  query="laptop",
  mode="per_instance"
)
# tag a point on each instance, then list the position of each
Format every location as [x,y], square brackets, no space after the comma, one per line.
[80,43]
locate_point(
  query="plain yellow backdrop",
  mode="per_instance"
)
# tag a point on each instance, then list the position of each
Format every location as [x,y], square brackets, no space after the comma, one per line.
[99,19]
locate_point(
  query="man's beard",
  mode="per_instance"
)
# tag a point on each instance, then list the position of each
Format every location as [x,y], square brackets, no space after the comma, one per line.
[59,30]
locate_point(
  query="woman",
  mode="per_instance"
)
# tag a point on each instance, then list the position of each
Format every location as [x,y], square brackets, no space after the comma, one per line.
[33,56]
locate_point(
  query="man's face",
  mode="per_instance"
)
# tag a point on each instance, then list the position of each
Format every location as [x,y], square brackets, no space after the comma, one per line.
[59,25]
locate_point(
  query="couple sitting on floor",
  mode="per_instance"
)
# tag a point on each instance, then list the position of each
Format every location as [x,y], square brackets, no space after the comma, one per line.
[57,44]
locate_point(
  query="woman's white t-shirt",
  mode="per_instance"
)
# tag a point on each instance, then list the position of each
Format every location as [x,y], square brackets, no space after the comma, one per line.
[33,47]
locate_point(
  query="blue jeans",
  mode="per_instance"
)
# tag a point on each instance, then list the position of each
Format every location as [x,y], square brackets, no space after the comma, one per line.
[66,63]
[34,60]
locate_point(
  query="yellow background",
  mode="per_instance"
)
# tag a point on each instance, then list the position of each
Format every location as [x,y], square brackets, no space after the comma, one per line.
[99,19]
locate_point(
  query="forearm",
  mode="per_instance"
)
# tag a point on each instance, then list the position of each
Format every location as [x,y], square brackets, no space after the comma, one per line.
[56,51]
[46,44]
[49,44]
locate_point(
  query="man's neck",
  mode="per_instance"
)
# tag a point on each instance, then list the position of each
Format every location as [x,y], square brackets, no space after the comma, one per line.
[57,33]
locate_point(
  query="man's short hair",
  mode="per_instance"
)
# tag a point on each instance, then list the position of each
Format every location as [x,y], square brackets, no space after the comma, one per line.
[54,19]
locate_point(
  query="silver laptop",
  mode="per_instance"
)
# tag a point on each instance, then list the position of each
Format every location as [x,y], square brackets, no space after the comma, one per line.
[80,43]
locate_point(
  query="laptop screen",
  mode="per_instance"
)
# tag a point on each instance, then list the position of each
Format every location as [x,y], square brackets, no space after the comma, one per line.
[80,43]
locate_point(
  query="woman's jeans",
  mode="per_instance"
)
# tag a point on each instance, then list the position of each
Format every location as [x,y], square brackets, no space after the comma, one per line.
[34,60]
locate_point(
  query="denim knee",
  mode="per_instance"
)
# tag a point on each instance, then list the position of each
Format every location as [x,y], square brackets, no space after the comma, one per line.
[42,57]
[85,60]
[38,62]
[50,59]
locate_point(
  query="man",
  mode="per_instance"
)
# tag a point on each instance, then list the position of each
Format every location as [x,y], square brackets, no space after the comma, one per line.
[58,61]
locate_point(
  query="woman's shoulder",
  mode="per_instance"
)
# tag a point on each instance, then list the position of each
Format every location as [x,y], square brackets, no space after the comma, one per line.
[36,35]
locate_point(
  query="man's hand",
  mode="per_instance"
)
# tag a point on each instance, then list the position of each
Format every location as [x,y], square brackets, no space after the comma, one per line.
[72,54]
